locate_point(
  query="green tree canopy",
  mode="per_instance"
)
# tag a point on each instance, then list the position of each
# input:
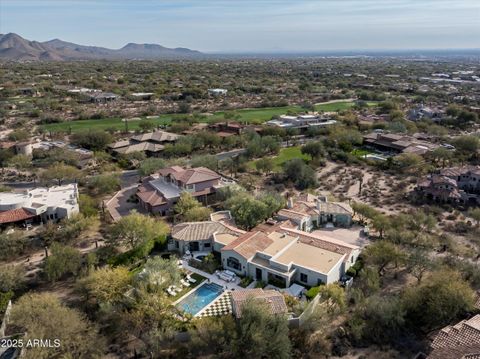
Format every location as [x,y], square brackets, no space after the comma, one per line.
[302,175]
[62,260]
[438,301]
[150,166]
[42,316]
[314,149]
[61,172]
[247,211]
[136,230]
[106,285]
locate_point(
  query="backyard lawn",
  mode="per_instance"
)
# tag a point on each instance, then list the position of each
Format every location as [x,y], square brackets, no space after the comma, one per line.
[284,155]
[250,115]
[359,152]
[199,280]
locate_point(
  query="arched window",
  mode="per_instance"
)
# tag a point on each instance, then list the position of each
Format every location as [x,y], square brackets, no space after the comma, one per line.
[234,263]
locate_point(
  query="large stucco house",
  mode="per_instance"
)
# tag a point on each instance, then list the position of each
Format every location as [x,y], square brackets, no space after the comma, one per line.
[310,212]
[41,204]
[451,185]
[160,192]
[278,253]
[288,255]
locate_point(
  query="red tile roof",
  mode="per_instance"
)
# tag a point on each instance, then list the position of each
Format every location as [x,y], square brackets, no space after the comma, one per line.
[15,215]
[190,175]
[458,341]
[274,300]
[248,244]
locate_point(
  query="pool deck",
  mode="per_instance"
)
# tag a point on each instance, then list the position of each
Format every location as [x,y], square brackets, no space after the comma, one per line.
[212,278]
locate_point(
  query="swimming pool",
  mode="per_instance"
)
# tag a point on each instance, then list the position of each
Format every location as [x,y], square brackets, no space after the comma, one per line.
[199,299]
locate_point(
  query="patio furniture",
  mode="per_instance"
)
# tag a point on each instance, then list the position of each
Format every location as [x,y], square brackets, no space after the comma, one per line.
[190,279]
[171,291]
[184,283]
[227,276]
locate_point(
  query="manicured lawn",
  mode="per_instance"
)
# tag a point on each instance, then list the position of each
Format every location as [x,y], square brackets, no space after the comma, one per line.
[260,115]
[249,115]
[284,155]
[360,152]
[257,115]
[101,124]
[185,290]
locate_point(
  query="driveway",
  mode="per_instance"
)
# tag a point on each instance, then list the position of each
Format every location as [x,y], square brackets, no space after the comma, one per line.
[119,206]
[351,235]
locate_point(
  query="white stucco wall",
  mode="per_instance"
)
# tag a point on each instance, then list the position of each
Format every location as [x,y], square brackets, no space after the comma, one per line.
[226,254]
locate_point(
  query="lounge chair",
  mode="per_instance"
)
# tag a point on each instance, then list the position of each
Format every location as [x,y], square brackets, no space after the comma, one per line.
[184,283]
[190,279]
[171,292]
[176,289]
[226,277]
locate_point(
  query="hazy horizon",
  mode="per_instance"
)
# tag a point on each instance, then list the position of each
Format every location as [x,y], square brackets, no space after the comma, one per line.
[261,26]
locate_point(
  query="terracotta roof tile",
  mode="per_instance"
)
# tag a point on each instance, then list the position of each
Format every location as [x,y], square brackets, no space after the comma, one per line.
[15,215]
[248,244]
[274,300]
[197,231]
[459,337]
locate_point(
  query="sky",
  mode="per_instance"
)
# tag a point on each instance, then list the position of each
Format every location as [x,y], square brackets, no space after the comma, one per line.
[260,26]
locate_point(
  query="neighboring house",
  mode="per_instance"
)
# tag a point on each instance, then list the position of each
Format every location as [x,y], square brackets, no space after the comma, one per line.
[142,96]
[152,143]
[39,204]
[217,92]
[160,192]
[274,300]
[27,91]
[452,185]
[459,341]
[423,112]
[301,121]
[85,157]
[101,97]
[83,90]
[23,148]
[310,212]
[398,143]
[227,129]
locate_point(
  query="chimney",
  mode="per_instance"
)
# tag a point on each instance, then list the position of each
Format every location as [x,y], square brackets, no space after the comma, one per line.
[290,202]
[321,199]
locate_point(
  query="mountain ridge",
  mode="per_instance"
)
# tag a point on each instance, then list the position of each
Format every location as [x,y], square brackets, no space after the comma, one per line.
[16,48]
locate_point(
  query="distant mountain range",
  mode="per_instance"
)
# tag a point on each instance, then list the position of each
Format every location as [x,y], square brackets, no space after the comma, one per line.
[16,48]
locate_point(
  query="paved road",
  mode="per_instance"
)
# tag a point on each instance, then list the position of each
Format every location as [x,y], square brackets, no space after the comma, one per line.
[224,155]
[129,178]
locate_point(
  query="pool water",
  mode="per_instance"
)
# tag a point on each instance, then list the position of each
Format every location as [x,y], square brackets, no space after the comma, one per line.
[199,299]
